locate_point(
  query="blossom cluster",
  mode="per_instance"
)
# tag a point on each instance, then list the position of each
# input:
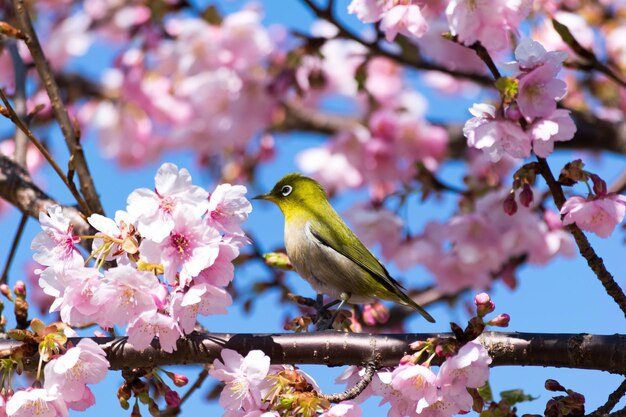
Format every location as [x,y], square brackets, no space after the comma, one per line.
[535,103]
[488,22]
[470,249]
[65,386]
[411,389]
[172,249]
[204,88]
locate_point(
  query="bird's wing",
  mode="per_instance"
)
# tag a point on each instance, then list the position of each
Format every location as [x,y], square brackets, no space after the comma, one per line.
[354,250]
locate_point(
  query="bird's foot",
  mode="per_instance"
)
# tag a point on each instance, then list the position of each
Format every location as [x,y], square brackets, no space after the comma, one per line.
[322,322]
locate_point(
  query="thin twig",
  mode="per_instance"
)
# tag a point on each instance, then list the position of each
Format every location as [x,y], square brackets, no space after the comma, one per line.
[357,389]
[14,117]
[611,402]
[19,98]
[483,54]
[586,250]
[411,61]
[14,245]
[71,139]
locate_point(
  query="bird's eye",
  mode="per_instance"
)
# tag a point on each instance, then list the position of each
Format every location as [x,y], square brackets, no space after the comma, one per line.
[286,190]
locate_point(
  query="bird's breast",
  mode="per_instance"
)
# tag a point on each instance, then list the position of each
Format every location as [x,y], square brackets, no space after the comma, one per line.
[328,272]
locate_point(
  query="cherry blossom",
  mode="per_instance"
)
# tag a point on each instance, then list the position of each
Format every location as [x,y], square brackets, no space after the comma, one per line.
[151,324]
[35,402]
[55,246]
[493,136]
[125,294]
[344,409]
[67,375]
[189,248]
[487,21]
[597,215]
[243,378]
[154,210]
[228,208]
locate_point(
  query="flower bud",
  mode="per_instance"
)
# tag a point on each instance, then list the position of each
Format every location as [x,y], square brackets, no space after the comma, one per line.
[375,313]
[553,385]
[526,196]
[484,305]
[153,408]
[512,112]
[501,320]
[136,412]
[509,205]
[172,399]
[599,185]
[6,291]
[278,260]
[20,289]
[180,380]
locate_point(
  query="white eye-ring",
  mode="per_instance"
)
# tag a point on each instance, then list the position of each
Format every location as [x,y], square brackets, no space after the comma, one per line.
[286,190]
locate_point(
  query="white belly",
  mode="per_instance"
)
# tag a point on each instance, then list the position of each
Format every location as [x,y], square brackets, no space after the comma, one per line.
[328,271]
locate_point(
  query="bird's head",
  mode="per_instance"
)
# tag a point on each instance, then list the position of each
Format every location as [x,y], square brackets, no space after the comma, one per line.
[295,192]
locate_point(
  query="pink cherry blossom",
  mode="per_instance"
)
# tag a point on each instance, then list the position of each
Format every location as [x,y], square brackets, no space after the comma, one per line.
[35,403]
[87,400]
[487,21]
[73,290]
[377,226]
[343,409]
[55,245]
[530,54]
[403,18]
[468,368]
[125,294]
[539,90]
[495,137]
[558,127]
[68,374]
[228,208]
[154,210]
[115,237]
[151,324]
[190,247]
[222,271]
[201,299]
[243,378]
[598,215]
[368,11]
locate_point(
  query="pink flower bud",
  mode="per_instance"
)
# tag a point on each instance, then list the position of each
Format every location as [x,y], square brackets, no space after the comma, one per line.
[501,320]
[512,112]
[509,205]
[482,298]
[172,399]
[375,313]
[6,291]
[526,196]
[599,185]
[180,380]
[20,289]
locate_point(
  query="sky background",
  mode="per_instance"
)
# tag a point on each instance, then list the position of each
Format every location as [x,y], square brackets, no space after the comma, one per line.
[563,297]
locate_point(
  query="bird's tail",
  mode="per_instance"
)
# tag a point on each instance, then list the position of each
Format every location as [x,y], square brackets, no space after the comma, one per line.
[409,302]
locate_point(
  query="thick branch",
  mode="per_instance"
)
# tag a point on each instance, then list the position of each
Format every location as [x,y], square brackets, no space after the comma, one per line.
[592,134]
[71,138]
[17,187]
[580,351]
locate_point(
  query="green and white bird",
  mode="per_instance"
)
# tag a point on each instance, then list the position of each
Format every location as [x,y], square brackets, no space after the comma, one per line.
[325,252]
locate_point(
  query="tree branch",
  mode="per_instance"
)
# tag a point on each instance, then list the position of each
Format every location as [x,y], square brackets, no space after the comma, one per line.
[69,133]
[330,348]
[586,250]
[18,189]
[611,402]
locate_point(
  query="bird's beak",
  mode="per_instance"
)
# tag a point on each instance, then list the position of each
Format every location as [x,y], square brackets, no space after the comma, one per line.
[263,197]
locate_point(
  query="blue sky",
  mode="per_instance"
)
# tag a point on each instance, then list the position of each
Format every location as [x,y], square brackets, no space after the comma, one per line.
[564,297]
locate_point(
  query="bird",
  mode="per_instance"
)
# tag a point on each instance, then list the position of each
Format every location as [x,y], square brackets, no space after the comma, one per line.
[326,253]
